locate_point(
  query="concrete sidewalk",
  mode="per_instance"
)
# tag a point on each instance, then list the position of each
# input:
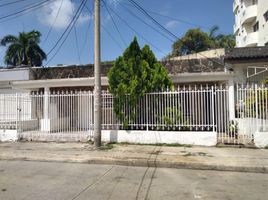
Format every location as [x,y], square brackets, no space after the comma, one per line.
[203,158]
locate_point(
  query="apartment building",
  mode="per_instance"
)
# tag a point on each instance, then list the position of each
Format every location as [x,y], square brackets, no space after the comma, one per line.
[251,22]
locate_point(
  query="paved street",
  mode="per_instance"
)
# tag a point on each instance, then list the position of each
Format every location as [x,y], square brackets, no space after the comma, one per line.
[44,180]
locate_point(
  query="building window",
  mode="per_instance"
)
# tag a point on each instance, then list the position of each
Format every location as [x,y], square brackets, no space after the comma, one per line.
[266,16]
[256,27]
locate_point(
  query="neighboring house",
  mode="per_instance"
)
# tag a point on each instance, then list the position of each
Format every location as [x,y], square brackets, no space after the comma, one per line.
[249,64]
[9,75]
[251,22]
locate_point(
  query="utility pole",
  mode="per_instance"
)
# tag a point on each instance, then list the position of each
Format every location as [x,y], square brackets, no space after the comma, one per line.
[97,75]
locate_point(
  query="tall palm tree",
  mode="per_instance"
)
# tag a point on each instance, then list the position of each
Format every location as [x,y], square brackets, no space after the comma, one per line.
[24,49]
[221,40]
[212,32]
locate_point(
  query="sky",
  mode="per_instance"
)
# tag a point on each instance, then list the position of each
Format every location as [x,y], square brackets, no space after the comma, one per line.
[120,22]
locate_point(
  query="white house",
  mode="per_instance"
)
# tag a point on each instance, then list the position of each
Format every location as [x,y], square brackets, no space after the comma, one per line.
[202,105]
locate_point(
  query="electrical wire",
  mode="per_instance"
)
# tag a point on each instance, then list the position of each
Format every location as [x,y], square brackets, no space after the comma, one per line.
[141,9]
[144,22]
[76,40]
[10,3]
[50,28]
[116,27]
[38,5]
[67,30]
[140,35]
[108,32]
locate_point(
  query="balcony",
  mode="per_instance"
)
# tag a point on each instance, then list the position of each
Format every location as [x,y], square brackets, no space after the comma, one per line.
[250,40]
[249,14]
[236,28]
[235,5]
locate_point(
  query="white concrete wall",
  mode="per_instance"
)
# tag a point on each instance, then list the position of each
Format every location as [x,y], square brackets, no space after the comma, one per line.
[261,139]
[50,125]
[155,137]
[8,135]
[17,74]
[250,126]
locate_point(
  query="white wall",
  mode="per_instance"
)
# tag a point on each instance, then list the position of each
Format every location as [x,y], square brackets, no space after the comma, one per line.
[155,137]
[16,74]
[261,139]
[8,135]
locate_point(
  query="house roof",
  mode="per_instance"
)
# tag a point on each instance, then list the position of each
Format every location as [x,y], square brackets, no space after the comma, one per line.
[246,53]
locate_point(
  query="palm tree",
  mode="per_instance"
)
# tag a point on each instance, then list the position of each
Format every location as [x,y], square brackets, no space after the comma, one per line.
[212,32]
[226,41]
[221,40]
[24,49]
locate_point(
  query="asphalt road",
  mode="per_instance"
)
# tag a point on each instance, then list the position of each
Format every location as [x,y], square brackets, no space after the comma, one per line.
[49,181]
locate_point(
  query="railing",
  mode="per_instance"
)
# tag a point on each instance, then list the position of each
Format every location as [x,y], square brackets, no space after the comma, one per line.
[252,109]
[188,108]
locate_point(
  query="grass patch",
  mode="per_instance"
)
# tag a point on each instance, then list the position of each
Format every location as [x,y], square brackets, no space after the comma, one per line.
[196,154]
[106,147]
[90,142]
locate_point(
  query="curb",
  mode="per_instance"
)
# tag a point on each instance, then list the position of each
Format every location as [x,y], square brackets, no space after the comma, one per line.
[149,163]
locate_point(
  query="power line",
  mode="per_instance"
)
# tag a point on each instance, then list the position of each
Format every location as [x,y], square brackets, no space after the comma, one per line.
[76,40]
[150,17]
[144,22]
[127,24]
[85,40]
[38,5]
[115,24]
[10,3]
[163,28]
[50,28]
[69,29]
[108,32]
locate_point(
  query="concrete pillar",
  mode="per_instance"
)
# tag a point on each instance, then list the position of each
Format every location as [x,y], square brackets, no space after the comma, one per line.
[46,102]
[45,122]
[231,94]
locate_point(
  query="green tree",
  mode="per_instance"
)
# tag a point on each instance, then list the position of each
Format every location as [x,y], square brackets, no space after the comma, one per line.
[195,40]
[135,73]
[24,49]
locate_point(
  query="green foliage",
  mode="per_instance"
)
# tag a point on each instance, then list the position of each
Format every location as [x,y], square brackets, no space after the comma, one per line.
[233,128]
[135,73]
[176,116]
[265,81]
[195,40]
[171,117]
[24,49]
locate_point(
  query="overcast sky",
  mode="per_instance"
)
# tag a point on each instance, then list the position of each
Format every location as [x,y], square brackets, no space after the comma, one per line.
[52,19]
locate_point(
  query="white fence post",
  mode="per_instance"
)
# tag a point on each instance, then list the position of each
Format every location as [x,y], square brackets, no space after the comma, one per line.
[256,101]
[231,96]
